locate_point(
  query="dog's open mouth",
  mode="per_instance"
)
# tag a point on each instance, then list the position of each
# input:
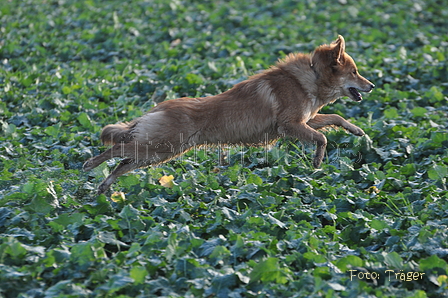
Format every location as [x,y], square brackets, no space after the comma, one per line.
[355,94]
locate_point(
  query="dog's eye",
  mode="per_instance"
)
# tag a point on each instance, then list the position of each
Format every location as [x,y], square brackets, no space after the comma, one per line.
[354,72]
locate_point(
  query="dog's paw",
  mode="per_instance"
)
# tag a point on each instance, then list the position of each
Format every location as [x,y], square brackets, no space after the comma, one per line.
[102,188]
[317,162]
[359,132]
[355,130]
[88,165]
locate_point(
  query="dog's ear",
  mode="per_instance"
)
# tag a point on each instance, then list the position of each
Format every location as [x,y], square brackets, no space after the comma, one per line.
[338,49]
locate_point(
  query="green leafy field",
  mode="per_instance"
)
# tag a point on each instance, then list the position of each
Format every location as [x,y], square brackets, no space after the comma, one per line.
[373,222]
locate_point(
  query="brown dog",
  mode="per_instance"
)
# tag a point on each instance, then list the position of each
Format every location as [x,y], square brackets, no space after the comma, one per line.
[281,101]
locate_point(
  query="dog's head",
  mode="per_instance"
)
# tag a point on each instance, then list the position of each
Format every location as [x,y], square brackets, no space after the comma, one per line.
[335,66]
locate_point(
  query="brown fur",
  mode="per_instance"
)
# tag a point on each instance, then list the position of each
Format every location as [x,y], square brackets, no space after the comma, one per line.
[283,100]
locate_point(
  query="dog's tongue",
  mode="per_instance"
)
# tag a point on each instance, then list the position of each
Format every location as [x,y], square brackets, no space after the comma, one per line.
[356,94]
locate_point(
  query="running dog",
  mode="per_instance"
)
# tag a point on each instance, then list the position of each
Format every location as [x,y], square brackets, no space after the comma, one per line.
[284,100]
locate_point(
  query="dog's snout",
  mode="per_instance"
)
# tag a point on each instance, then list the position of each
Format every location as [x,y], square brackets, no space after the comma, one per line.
[371,86]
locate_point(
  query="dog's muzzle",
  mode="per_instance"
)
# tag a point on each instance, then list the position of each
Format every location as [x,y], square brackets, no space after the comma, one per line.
[355,93]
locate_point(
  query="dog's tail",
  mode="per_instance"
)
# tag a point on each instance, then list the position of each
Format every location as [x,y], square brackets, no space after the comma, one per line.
[116,133]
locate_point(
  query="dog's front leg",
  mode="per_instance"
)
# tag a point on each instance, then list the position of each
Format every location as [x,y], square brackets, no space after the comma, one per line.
[307,134]
[322,120]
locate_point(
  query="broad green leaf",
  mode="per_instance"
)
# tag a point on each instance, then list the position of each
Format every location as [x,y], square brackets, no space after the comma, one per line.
[220,252]
[171,248]
[41,205]
[391,113]
[5,213]
[223,284]
[322,272]
[314,257]
[66,219]
[378,224]
[433,262]
[438,172]
[435,94]
[393,260]
[254,179]
[348,262]
[138,274]
[53,130]
[64,288]
[66,90]
[269,271]
[419,111]
[131,221]
[129,180]
[116,282]
[85,121]
[275,221]
[15,249]
[109,238]
[82,255]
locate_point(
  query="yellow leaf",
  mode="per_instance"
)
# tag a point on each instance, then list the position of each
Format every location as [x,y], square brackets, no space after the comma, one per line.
[167,181]
[372,189]
[118,197]
[443,279]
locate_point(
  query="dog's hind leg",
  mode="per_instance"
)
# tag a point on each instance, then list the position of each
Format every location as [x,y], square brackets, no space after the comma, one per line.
[126,165]
[117,150]
[137,157]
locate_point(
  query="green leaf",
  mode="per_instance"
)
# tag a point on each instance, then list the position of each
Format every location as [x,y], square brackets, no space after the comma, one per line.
[171,248]
[14,249]
[438,172]
[378,225]
[433,262]
[238,248]
[435,94]
[41,205]
[419,112]
[269,271]
[349,261]
[391,113]
[66,90]
[66,219]
[9,129]
[28,187]
[408,169]
[65,288]
[116,282]
[53,131]
[85,121]
[5,213]
[393,260]
[254,179]
[138,274]
[82,255]
[223,284]
[109,238]
[275,221]
[193,79]
[130,221]
[322,272]
[220,252]
[129,180]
